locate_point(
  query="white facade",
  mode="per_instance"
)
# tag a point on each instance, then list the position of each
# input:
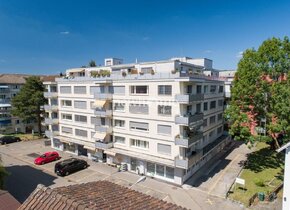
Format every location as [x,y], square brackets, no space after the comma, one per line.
[161,119]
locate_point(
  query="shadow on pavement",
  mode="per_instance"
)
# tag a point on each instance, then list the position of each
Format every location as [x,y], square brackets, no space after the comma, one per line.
[22,180]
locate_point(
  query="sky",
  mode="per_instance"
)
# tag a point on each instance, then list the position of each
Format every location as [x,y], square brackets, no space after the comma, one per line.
[50,36]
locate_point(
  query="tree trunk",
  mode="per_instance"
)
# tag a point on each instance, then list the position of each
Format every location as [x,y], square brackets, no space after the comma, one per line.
[39,123]
[276,143]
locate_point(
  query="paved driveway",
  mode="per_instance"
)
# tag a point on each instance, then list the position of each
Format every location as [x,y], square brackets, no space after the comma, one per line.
[18,159]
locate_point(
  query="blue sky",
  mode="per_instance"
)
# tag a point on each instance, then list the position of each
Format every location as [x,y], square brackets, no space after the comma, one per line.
[49,36]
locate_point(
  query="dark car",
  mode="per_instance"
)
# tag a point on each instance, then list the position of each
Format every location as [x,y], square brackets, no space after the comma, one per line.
[68,166]
[9,139]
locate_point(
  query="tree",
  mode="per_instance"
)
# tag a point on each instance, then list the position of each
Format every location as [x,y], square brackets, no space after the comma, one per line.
[3,174]
[92,63]
[261,93]
[26,104]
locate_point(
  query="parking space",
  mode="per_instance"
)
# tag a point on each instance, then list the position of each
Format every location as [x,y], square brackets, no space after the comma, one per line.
[191,198]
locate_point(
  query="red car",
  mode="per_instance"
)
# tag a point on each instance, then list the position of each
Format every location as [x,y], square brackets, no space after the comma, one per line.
[46,158]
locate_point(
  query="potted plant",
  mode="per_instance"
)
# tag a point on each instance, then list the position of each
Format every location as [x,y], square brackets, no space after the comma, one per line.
[141,73]
[124,74]
[152,72]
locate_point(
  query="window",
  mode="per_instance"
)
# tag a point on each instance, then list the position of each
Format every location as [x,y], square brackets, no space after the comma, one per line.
[212,105]
[146,70]
[80,104]
[164,90]
[212,120]
[65,89]
[220,102]
[119,106]
[205,106]
[139,126]
[66,130]
[212,88]
[211,134]
[164,149]
[80,90]
[159,170]
[198,108]
[81,118]
[17,121]
[164,110]
[220,116]
[119,123]
[140,89]
[198,89]
[93,120]
[82,133]
[205,122]
[169,173]
[139,108]
[119,139]
[205,89]
[119,90]
[164,129]
[66,116]
[189,89]
[139,143]
[94,89]
[220,129]
[66,103]
[221,89]
[150,168]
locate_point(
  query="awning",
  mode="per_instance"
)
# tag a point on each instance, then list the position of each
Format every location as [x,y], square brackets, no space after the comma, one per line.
[4,86]
[100,135]
[76,70]
[99,103]
[90,148]
[110,153]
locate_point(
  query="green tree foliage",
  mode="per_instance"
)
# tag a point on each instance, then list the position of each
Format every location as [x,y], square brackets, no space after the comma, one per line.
[262,83]
[92,63]
[3,174]
[26,104]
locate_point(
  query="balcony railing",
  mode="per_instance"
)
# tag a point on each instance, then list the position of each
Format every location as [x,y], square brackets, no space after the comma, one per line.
[187,162]
[188,98]
[104,145]
[51,107]
[50,133]
[50,94]
[103,113]
[103,96]
[50,121]
[187,141]
[189,120]
[103,128]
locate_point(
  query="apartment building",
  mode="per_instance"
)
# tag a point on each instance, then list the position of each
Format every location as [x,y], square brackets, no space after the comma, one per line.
[10,85]
[161,119]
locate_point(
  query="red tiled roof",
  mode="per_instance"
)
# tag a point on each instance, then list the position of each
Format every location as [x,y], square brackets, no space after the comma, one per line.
[7,201]
[92,195]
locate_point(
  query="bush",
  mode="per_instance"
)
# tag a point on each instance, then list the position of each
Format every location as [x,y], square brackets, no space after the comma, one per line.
[260,183]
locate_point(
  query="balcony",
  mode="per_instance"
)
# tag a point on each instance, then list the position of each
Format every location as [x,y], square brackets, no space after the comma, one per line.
[189,120]
[50,94]
[50,121]
[188,98]
[103,129]
[104,145]
[103,96]
[187,141]
[103,113]
[187,162]
[214,95]
[50,107]
[50,133]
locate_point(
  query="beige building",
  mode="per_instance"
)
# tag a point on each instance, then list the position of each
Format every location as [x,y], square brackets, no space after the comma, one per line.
[162,118]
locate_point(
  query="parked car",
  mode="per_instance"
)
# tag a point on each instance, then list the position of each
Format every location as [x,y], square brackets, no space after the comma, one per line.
[46,158]
[9,139]
[68,166]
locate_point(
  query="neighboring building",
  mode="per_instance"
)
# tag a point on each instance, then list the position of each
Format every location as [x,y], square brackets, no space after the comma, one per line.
[93,195]
[161,118]
[10,85]
[229,78]
[7,201]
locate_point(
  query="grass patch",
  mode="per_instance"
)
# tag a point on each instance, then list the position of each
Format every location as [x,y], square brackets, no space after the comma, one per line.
[262,173]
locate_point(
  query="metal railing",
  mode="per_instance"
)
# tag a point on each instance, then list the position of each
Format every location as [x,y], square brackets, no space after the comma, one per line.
[189,119]
[103,128]
[50,94]
[187,141]
[104,145]
[103,113]
[187,98]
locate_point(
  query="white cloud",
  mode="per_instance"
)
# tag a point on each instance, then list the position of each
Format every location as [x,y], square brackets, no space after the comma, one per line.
[65,32]
[239,54]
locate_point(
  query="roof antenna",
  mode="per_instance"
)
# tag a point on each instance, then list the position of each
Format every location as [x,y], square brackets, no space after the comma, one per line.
[136,61]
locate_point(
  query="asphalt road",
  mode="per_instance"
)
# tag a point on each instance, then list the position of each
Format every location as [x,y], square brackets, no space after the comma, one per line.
[23,178]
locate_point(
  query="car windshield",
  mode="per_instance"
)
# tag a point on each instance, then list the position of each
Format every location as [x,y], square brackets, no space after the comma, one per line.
[43,156]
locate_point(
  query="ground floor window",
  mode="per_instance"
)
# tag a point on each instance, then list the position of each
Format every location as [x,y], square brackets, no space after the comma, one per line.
[133,164]
[70,148]
[160,170]
[57,143]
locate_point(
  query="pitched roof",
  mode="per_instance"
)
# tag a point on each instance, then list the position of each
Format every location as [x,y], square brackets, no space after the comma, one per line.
[92,195]
[13,78]
[7,201]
